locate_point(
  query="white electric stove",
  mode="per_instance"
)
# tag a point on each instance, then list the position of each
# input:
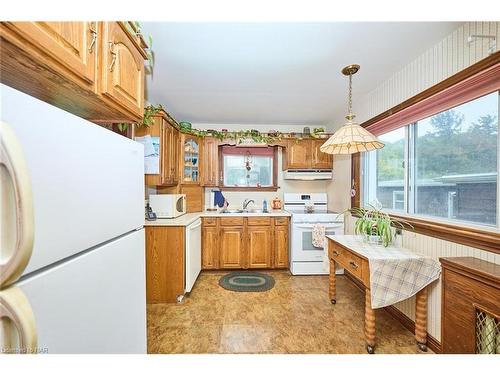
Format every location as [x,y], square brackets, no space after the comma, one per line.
[307,259]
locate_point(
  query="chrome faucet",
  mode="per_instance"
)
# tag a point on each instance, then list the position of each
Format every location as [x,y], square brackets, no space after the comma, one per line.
[246,202]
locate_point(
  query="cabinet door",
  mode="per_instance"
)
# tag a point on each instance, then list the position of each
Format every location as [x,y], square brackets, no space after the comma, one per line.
[70,45]
[166,154]
[259,247]
[281,246]
[165,263]
[320,160]
[231,247]
[210,162]
[175,147]
[122,69]
[209,248]
[190,162]
[299,154]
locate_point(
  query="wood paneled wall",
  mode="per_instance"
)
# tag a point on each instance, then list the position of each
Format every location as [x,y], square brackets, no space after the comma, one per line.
[449,56]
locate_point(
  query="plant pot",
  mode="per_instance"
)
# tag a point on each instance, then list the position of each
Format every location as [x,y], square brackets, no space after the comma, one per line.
[372,239]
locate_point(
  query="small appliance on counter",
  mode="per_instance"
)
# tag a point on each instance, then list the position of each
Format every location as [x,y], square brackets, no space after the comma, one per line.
[150,215]
[276,204]
[168,206]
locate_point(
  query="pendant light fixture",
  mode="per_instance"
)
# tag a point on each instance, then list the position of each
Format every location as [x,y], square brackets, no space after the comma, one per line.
[351,138]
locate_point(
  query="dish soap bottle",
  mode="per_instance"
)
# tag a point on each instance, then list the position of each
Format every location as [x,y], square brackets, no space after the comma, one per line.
[264,206]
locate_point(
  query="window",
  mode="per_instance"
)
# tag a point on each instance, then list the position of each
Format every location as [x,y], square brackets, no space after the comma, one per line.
[387,171]
[249,167]
[444,166]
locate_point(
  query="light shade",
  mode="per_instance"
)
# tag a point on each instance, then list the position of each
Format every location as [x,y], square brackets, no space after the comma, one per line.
[349,139]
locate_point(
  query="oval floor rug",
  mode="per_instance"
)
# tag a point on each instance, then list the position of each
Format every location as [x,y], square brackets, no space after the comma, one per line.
[247,282]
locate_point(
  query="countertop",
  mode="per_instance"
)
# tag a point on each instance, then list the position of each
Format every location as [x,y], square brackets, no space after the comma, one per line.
[186,219]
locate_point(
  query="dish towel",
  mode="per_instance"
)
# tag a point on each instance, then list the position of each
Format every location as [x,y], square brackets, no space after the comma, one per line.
[319,240]
[219,199]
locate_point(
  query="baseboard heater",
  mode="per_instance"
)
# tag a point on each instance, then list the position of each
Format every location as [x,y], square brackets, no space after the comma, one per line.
[308,174]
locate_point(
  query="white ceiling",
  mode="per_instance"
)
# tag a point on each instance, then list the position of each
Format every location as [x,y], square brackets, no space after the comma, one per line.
[276,73]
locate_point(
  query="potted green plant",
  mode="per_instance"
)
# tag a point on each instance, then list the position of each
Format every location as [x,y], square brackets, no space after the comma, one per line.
[376,226]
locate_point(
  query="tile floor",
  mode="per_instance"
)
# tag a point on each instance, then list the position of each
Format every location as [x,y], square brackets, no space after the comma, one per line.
[295,316]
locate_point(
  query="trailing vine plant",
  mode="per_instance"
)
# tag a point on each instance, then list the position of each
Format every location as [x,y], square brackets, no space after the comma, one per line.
[147,120]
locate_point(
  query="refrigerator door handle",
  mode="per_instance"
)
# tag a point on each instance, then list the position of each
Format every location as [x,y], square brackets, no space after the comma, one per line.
[16,314]
[16,202]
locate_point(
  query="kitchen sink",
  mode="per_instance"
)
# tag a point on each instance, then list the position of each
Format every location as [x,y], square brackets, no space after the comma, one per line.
[231,211]
[256,211]
[243,211]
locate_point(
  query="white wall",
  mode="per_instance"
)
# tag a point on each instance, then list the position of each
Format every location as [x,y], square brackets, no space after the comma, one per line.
[442,60]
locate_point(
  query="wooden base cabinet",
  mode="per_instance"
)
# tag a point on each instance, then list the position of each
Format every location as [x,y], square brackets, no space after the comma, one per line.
[281,247]
[210,248]
[165,279]
[232,247]
[260,247]
[245,243]
[470,308]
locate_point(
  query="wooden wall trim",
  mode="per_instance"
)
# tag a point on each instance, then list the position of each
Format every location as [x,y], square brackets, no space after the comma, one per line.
[409,324]
[485,63]
[469,236]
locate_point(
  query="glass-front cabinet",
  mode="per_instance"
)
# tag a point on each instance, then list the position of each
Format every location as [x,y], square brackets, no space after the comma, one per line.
[191,160]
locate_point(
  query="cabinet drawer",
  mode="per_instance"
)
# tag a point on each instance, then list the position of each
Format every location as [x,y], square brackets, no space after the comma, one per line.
[231,221]
[209,221]
[351,263]
[281,220]
[259,221]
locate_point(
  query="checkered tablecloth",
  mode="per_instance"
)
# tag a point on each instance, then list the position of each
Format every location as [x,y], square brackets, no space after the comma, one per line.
[395,273]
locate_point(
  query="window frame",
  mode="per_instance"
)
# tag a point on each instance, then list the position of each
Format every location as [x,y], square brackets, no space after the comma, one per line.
[410,191]
[274,186]
[477,236]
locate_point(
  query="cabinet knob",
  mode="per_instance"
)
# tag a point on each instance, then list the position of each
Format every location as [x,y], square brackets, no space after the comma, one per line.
[353,265]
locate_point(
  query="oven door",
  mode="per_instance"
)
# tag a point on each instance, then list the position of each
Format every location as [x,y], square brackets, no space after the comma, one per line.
[302,248]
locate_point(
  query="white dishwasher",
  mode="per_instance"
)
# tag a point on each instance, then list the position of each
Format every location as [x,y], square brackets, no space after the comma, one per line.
[193,253]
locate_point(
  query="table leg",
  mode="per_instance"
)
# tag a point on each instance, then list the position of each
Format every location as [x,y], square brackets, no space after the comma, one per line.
[421,319]
[332,291]
[369,323]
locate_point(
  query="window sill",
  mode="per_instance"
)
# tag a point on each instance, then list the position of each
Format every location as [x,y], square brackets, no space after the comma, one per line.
[464,234]
[251,188]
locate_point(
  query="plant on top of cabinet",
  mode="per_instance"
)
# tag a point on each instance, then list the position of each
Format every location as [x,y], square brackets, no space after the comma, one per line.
[147,119]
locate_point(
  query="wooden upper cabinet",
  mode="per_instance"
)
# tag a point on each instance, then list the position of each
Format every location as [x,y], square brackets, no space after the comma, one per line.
[175,155]
[73,45]
[320,160]
[232,247]
[298,155]
[122,69]
[210,162]
[191,150]
[168,137]
[281,246]
[306,154]
[259,247]
[70,65]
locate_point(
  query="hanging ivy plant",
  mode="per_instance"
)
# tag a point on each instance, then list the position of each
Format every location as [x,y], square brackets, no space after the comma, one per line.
[147,119]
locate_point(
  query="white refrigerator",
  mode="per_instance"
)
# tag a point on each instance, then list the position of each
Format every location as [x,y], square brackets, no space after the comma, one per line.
[72,256]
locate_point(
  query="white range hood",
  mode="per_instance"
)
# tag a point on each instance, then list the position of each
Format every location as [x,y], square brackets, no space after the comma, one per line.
[308,174]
